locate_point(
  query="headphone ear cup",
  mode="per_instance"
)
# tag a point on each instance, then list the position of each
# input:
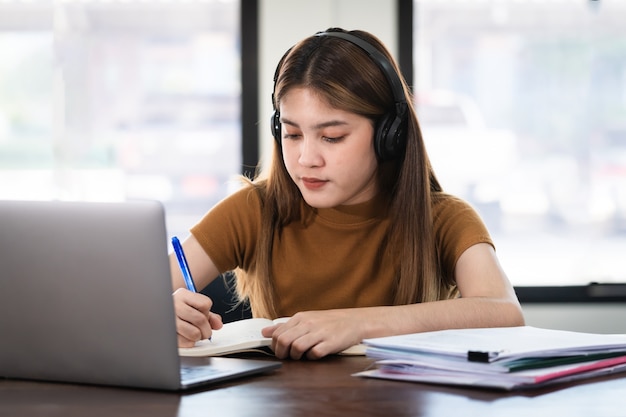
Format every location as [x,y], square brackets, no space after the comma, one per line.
[380,137]
[275,126]
[390,138]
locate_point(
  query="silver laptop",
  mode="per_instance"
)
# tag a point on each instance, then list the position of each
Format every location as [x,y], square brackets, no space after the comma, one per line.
[85,297]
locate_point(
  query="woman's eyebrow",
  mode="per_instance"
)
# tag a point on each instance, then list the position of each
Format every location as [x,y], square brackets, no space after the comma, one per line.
[323,125]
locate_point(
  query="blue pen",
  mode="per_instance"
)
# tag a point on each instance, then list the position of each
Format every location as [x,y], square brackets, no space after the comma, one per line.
[182,262]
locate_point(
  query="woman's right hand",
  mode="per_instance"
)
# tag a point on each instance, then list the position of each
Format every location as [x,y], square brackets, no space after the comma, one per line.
[194,320]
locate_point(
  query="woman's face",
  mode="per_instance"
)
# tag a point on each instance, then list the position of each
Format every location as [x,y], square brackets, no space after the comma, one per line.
[328,152]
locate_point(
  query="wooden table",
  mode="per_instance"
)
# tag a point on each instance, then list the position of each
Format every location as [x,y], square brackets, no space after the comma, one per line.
[315,388]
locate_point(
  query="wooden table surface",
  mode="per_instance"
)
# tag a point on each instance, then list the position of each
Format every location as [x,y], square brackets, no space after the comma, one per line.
[315,388]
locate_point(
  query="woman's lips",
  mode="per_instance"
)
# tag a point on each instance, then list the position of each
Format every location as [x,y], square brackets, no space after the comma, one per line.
[313,183]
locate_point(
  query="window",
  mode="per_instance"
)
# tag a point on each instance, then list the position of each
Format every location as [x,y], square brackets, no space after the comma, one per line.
[106,100]
[523,110]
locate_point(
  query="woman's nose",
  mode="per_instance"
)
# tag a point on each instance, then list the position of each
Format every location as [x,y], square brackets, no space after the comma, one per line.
[309,153]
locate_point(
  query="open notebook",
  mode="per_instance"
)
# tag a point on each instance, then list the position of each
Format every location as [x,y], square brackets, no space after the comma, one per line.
[85,297]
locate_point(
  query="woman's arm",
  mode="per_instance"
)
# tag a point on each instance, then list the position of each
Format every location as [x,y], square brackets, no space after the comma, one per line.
[487,300]
[202,268]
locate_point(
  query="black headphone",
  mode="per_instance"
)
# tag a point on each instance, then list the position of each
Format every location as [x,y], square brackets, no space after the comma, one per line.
[390,135]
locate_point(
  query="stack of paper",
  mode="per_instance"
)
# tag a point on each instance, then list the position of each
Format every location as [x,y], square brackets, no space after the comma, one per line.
[503,358]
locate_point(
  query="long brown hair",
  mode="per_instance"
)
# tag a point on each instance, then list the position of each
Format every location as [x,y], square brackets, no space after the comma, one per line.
[348,79]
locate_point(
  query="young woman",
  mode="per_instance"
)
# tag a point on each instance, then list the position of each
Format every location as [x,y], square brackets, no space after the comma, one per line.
[349,232]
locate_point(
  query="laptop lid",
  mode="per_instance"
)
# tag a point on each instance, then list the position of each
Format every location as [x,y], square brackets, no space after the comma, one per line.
[85,297]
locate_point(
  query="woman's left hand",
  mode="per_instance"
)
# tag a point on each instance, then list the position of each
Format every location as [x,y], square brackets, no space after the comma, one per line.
[315,334]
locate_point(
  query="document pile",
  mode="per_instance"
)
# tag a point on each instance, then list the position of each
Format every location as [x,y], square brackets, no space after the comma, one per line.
[507,358]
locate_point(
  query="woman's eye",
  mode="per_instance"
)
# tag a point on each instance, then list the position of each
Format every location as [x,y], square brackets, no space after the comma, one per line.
[332,140]
[291,136]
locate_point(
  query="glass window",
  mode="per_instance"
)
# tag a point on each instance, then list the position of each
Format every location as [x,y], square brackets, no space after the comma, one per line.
[523,110]
[106,100]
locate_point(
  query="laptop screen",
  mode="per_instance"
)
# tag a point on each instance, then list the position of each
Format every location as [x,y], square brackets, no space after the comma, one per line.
[86,294]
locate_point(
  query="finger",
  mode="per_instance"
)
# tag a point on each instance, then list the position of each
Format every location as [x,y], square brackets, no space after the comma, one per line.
[185,343]
[215,320]
[187,333]
[198,301]
[292,343]
[280,346]
[193,310]
[199,320]
[269,331]
[280,340]
[304,347]
[318,351]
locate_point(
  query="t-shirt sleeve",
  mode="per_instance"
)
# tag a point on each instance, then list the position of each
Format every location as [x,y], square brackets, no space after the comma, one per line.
[228,232]
[457,226]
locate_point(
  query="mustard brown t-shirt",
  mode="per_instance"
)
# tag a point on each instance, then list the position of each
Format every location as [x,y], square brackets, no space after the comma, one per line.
[336,258]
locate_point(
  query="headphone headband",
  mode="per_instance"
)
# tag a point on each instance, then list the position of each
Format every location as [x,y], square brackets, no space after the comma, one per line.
[378,58]
[390,135]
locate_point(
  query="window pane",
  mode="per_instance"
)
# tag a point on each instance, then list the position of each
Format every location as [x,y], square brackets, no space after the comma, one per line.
[523,110]
[108,100]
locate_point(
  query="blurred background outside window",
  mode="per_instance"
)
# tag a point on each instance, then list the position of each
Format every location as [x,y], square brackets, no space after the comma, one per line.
[523,111]
[113,100]
[522,105]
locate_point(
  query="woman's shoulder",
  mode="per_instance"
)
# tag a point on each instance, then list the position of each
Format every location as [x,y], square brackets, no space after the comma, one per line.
[457,226]
[241,207]
[249,193]
[244,202]
[454,215]
[449,210]
[444,202]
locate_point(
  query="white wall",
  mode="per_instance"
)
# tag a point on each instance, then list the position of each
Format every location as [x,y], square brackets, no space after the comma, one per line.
[285,22]
[591,318]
